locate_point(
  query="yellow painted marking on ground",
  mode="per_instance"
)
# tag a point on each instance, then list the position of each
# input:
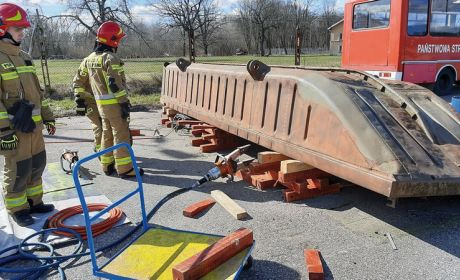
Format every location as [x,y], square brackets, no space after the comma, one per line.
[157,251]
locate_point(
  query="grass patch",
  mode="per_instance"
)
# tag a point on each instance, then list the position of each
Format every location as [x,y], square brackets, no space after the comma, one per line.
[66,107]
[144,69]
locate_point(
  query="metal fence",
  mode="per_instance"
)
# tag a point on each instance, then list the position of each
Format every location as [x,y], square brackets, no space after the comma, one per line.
[144,74]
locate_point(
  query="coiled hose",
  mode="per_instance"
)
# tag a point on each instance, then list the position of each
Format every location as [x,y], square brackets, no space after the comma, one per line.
[54,261]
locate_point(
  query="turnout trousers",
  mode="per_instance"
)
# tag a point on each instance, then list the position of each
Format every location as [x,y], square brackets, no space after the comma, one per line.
[96,124]
[23,171]
[115,130]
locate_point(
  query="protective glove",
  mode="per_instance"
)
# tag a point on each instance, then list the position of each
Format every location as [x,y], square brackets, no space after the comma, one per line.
[50,127]
[125,110]
[22,120]
[9,142]
[81,106]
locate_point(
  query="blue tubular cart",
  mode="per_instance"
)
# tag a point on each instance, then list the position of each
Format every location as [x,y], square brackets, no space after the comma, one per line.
[155,249]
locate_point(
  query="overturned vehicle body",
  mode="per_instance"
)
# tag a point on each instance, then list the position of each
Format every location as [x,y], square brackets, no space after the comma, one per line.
[395,138]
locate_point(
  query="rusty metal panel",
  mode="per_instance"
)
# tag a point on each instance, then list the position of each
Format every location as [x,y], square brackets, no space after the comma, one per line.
[394,138]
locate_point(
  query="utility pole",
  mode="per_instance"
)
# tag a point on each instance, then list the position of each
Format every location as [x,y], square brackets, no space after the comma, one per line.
[297,46]
[43,55]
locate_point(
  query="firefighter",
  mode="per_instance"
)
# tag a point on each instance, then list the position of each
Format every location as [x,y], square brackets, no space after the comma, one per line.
[22,118]
[106,78]
[86,104]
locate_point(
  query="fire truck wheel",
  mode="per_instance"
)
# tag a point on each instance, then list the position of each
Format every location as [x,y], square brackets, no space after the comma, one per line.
[444,82]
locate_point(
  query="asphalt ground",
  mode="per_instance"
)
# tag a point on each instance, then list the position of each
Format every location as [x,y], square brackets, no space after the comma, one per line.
[349,228]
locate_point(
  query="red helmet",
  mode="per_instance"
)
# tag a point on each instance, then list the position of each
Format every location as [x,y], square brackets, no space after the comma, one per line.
[110,34]
[12,15]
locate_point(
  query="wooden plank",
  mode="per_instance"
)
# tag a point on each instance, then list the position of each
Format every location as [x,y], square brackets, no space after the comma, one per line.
[231,206]
[314,265]
[207,260]
[192,210]
[269,156]
[291,166]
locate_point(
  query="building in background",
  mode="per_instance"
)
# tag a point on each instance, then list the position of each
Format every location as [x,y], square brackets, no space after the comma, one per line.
[336,31]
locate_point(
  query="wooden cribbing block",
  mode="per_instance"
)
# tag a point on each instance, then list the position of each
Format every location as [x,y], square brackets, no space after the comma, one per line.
[207,260]
[188,122]
[306,192]
[198,142]
[231,206]
[314,266]
[318,183]
[260,168]
[135,132]
[209,137]
[302,175]
[267,157]
[265,181]
[202,126]
[197,132]
[291,166]
[196,208]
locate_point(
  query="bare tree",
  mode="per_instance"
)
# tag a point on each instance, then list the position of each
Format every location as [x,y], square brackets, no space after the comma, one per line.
[329,16]
[262,14]
[99,11]
[182,14]
[208,23]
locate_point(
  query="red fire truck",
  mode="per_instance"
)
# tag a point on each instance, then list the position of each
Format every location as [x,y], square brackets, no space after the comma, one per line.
[411,40]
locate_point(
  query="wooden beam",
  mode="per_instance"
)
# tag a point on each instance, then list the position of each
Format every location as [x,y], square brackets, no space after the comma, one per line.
[269,156]
[291,166]
[207,260]
[196,208]
[229,204]
[314,265]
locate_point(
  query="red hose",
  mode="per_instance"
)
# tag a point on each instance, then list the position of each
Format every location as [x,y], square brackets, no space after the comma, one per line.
[57,220]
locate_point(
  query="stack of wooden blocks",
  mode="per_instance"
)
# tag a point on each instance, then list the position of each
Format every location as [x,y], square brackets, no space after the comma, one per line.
[211,139]
[301,180]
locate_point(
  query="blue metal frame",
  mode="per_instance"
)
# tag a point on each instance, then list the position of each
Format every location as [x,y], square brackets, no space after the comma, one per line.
[88,219]
[97,270]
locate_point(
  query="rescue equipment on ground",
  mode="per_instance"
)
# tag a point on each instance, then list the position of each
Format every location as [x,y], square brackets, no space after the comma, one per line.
[68,160]
[226,165]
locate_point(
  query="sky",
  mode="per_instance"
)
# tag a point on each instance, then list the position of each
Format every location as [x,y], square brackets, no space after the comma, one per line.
[139,8]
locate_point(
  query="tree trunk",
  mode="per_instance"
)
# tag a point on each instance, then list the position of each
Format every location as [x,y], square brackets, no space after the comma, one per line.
[191,45]
[261,44]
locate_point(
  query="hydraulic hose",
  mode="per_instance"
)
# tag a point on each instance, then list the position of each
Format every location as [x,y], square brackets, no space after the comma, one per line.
[57,220]
[54,261]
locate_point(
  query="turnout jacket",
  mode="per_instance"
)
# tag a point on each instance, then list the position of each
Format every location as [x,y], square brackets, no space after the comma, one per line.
[105,74]
[18,80]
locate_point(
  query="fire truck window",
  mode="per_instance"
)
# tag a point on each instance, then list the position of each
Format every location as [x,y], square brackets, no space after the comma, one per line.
[375,14]
[417,20]
[445,18]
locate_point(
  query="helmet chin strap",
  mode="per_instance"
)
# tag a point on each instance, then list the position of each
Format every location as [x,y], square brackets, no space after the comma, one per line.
[100,47]
[7,37]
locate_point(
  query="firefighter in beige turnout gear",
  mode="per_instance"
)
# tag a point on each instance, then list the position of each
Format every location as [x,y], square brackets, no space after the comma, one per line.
[86,104]
[22,117]
[106,77]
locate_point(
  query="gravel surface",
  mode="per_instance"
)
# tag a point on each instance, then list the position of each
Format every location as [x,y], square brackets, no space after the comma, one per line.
[350,228]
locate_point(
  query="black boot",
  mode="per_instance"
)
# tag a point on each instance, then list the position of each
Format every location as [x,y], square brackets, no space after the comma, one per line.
[131,173]
[23,218]
[110,169]
[41,208]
